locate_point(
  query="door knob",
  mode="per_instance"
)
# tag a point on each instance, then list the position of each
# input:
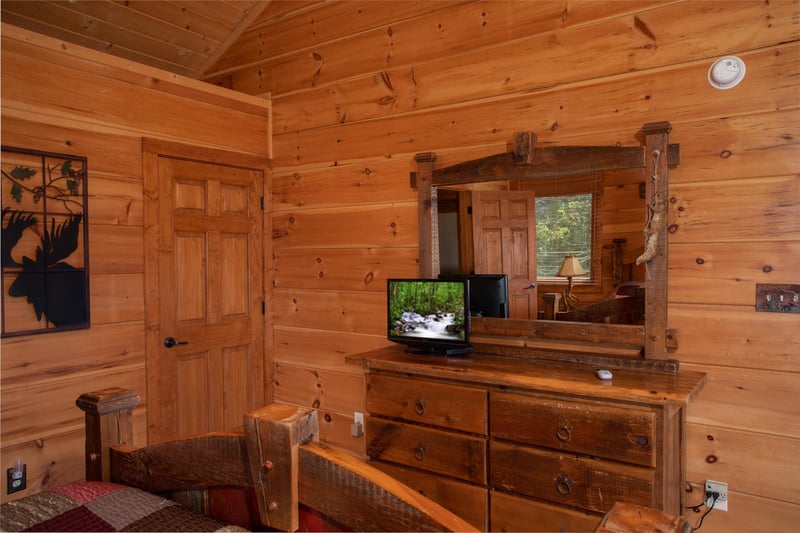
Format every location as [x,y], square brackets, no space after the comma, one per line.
[531,286]
[169,342]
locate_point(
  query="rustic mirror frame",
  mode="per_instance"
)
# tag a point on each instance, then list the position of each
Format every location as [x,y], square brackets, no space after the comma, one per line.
[527,161]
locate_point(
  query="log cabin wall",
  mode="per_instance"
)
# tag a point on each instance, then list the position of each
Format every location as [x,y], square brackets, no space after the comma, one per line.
[359,87]
[65,99]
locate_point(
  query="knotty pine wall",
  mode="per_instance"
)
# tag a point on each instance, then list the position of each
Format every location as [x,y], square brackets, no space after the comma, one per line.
[62,98]
[359,87]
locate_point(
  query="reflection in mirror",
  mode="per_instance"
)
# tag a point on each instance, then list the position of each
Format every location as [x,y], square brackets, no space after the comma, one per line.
[568,216]
[493,185]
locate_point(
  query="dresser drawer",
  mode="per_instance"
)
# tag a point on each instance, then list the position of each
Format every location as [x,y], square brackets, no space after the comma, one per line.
[464,499]
[590,484]
[515,513]
[451,454]
[427,402]
[602,430]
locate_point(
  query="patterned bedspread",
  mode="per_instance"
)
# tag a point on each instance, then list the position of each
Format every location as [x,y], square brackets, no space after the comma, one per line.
[98,506]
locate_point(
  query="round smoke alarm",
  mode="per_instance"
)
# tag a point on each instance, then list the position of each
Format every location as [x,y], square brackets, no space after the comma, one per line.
[726,72]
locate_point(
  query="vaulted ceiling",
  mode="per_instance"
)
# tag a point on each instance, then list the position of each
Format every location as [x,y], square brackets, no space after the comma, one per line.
[182,36]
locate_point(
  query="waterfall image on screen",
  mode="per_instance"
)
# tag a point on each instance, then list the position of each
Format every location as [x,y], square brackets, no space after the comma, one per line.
[428,313]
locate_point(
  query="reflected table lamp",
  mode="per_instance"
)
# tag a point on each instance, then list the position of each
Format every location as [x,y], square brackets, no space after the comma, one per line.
[569,268]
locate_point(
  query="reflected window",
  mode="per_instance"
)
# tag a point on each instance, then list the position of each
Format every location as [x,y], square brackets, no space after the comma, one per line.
[563,227]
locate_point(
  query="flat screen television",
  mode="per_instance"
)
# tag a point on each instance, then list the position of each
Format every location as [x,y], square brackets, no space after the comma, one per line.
[488,293]
[429,315]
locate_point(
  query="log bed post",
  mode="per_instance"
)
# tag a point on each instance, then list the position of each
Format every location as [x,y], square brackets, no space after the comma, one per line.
[273,435]
[109,422]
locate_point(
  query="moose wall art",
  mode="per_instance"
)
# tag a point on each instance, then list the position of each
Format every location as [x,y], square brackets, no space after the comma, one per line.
[45,256]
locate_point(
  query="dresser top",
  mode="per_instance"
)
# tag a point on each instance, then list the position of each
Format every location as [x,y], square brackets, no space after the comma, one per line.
[647,386]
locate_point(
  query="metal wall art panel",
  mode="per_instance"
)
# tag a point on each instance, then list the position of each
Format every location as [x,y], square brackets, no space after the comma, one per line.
[45,242]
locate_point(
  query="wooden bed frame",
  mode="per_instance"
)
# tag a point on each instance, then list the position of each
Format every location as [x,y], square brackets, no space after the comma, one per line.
[277,455]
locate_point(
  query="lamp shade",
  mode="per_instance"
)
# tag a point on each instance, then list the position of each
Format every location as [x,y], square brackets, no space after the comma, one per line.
[570,267]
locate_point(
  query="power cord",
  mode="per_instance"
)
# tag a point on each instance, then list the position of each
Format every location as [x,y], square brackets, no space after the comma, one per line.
[715,497]
[696,508]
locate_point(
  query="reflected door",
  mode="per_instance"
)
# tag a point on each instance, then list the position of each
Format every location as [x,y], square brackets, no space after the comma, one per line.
[504,241]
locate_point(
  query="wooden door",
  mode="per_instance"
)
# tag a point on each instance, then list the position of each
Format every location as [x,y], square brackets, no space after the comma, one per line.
[205,290]
[504,241]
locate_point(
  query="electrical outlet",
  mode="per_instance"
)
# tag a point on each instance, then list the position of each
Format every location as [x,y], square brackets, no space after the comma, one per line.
[357,428]
[16,478]
[720,488]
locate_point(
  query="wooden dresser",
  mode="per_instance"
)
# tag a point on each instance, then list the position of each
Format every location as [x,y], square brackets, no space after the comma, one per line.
[524,444]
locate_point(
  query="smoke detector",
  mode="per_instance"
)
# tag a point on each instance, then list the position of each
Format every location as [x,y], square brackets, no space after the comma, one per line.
[726,72]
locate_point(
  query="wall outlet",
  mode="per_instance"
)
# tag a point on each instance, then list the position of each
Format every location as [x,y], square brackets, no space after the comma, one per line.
[357,428]
[720,488]
[16,478]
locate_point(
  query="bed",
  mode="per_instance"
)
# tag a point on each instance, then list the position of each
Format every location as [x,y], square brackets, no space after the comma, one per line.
[271,474]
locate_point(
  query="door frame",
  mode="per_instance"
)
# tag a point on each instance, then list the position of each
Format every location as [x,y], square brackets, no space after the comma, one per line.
[152,150]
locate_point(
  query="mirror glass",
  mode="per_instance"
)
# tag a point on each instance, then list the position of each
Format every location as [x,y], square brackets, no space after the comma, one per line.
[576,211]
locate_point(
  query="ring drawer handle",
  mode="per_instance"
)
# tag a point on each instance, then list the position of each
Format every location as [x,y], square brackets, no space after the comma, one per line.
[564,432]
[419,452]
[564,484]
[419,406]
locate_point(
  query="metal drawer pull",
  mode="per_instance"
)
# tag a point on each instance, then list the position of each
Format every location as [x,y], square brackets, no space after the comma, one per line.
[564,432]
[564,484]
[419,406]
[419,452]
[642,440]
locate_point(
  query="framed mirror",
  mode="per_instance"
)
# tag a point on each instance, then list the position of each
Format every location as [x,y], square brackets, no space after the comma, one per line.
[526,163]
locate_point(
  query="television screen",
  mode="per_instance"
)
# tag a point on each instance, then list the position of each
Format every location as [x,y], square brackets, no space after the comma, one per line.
[429,315]
[488,293]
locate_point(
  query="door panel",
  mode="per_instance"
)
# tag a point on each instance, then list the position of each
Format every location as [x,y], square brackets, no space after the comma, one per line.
[207,293]
[504,239]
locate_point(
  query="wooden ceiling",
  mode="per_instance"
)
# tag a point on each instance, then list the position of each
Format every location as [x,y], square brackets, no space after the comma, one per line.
[181,36]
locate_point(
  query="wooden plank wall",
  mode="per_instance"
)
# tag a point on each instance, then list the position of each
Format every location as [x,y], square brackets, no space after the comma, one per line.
[61,98]
[360,87]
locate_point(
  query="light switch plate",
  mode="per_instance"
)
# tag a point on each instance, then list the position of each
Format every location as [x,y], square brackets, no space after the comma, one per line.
[777,298]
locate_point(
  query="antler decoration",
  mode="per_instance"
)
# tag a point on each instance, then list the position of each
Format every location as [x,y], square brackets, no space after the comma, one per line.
[656,218]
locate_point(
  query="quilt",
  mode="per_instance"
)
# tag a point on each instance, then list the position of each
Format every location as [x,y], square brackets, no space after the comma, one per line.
[100,506]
